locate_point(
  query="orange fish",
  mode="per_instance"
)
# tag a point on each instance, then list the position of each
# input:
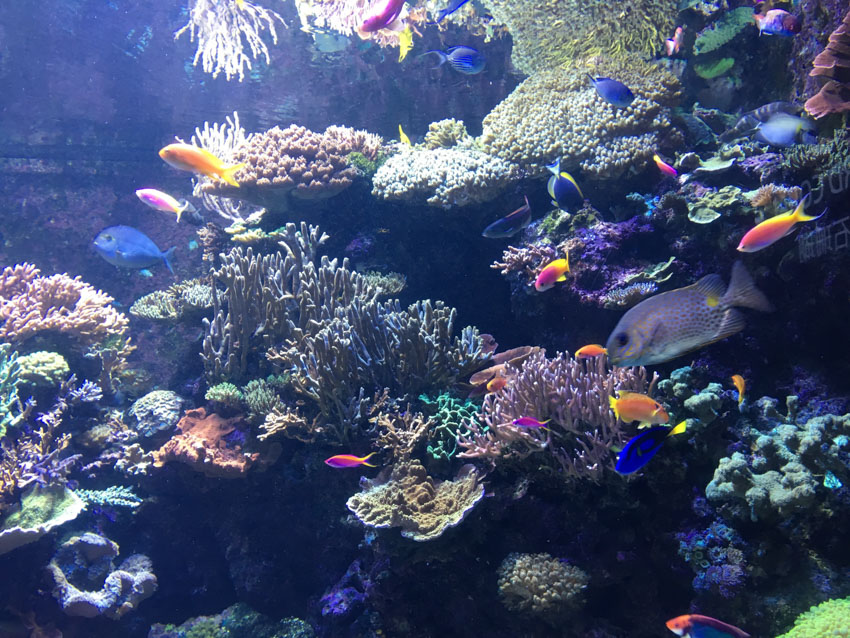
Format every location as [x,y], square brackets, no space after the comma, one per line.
[631,406]
[773,229]
[673,45]
[588,352]
[553,272]
[496,383]
[187,157]
[740,386]
[696,626]
[349,460]
[664,167]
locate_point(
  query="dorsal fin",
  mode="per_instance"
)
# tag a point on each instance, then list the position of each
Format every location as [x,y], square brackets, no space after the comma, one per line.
[711,286]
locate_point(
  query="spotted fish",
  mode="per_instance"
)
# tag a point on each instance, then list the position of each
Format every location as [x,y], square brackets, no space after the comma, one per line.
[673,323]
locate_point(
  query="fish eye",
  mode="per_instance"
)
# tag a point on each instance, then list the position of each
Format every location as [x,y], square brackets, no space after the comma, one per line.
[622,339]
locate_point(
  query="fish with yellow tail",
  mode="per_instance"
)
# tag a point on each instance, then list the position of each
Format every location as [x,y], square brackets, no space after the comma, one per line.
[552,273]
[772,230]
[164,202]
[349,460]
[641,448]
[633,406]
[673,323]
[402,137]
[740,386]
[187,157]
[405,42]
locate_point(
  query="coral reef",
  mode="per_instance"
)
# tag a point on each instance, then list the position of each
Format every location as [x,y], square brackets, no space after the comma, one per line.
[452,417]
[156,411]
[540,584]
[830,618]
[177,301]
[42,509]
[45,369]
[445,134]
[557,114]
[716,555]
[833,63]
[237,621]
[87,583]
[405,496]
[443,177]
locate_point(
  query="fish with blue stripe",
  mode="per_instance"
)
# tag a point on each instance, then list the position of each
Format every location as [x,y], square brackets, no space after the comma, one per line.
[462,59]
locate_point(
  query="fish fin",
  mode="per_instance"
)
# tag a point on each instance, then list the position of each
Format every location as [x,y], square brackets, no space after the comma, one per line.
[166,257]
[711,286]
[644,424]
[550,187]
[743,292]
[572,180]
[679,429]
[554,168]
[592,79]
[733,322]
[367,457]
[562,278]
[612,403]
[227,174]
[800,216]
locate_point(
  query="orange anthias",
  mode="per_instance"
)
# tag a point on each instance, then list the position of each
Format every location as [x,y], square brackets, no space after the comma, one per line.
[187,157]
[496,383]
[590,351]
[631,406]
[740,386]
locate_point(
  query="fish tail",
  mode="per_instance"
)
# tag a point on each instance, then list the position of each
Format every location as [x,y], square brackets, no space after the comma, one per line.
[182,205]
[227,174]
[443,57]
[679,429]
[166,257]
[592,79]
[742,291]
[612,402]
[367,457]
[799,214]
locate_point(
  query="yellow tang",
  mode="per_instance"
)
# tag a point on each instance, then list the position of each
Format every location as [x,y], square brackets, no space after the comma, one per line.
[405,43]
[402,137]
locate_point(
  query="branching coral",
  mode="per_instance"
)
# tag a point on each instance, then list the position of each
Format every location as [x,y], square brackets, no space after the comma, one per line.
[398,433]
[298,161]
[574,395]
[557,114]
[527,260]
[32,304]
[540,584]
[405,496]
[550,33]
[223,29]
[443,177]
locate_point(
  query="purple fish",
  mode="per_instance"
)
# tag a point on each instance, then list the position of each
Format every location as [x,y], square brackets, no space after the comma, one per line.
[528,422]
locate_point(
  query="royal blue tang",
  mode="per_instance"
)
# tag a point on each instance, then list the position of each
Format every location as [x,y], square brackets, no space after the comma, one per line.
[454,5]
[463,59]
[613,91]
[640,449]
[563,189]
[127,247]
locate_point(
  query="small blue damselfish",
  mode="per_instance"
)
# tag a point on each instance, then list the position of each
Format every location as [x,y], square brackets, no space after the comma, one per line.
[127,247]
[613,91]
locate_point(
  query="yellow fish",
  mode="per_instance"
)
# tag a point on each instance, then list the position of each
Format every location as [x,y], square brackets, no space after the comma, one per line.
[187,157]
[405,43]
[402,137]
[740,386]
[240,4]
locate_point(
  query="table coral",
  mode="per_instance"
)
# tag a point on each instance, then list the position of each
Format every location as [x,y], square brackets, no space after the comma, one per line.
[443,177]
[558,114]
[833,63]
[86,561]
[540,584]
[550,33]
[405,496]
[204,445]
[42,509]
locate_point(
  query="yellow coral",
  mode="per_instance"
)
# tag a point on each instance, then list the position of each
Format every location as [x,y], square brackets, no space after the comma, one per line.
[829,619]
[43,368]
[539,584]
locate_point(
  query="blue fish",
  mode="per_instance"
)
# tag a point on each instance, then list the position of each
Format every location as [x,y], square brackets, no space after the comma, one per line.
[783,129]
[463,59]
[130,248]
[454,5]
[641,448]
[612,91]
[563,189]
[511,224]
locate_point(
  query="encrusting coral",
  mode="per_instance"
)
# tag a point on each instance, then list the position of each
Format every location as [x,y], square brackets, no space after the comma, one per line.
[405,496]
[829,619]
[540,584]
[557,114]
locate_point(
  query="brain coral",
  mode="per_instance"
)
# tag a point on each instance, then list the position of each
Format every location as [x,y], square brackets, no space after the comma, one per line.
[829,619]
[408,498]
[539,583]
[547,33]
[557,113]
[443,177]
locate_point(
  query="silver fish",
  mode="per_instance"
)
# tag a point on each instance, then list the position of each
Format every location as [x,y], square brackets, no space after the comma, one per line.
[673,323]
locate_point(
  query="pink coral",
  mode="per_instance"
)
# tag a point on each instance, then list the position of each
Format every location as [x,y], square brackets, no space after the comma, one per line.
[833,63]
[30,304]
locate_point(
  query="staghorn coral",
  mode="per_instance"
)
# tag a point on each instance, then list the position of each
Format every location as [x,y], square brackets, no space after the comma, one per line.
[557,114]
[574,395]
[540,584]
[387,284]
[526,260]
[31,304]
[833,63]
[87,583]
[292,424]
[443,177]
[319,16]
[204,445]
[445,133]
[296,161]
[398,433]
[552,33]
[405,496]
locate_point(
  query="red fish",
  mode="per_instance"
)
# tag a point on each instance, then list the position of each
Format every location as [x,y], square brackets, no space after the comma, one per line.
[664,167]
[349,460]
[528,422]
[696,626]
[386,14]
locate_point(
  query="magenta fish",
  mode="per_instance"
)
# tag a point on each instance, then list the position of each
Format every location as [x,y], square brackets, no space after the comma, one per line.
[528,422]
[387,12]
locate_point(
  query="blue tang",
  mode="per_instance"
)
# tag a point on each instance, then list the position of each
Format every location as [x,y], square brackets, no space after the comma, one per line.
[613,91]
[640,449]
[454,5]
[509,225]
[127,247]
[783,129]
[463,59]
[563,189]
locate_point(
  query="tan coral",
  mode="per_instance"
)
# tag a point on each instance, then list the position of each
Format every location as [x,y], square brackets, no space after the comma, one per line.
[405,496]
[445,133]
[540,584]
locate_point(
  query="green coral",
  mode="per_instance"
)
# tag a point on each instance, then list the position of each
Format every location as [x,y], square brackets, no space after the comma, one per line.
[45,369]
[40,505]
[261,399]
[453,417]
[714,69]
[112,496]
[830,618]
[224,393]
[388,284]
[723,30]
[366,167]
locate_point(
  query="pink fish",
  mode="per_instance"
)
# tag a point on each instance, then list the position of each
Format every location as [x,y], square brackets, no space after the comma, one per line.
[388,11]
[528,422]
[777,22]
[772,230]
[553,272]
[349,460]
[164,202]
[674,44]
[664,167]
